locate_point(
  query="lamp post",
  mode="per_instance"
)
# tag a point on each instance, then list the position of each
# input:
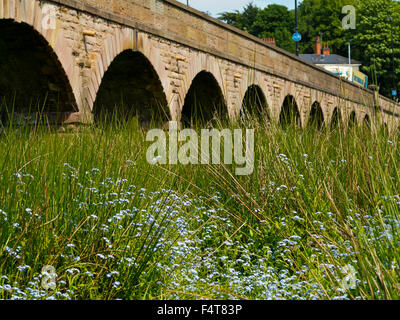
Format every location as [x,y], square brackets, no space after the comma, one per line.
[394,92]
[297,26]
[350,68]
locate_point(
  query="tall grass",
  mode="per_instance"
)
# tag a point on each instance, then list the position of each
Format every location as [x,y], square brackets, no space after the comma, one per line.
[113,226]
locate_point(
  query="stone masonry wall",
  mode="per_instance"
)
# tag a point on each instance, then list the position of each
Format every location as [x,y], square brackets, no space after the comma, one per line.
[180,42]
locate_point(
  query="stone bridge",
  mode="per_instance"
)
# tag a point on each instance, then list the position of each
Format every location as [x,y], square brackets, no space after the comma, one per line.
[79,57]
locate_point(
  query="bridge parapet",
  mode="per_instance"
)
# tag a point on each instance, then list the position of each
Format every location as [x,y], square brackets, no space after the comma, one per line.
[174,21]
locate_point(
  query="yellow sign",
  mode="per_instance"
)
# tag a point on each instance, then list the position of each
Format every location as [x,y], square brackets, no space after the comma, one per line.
[360,78]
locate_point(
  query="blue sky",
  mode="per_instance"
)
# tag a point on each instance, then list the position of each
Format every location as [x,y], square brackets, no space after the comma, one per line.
[218,6]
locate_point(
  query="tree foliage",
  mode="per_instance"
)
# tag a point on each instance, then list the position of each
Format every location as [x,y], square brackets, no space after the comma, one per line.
[274,21]
[371,40]
[323,18]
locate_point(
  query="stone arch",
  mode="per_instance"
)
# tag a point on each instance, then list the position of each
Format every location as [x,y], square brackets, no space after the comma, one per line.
[131,88]
[318,102]
[254,104]
[352,120]
[316,117]
[390,121]
[204,101]
[336,119]
[49,58]
[290,114]
[196,64]
[249,78]
[302,100]
[121,41]
[367,121]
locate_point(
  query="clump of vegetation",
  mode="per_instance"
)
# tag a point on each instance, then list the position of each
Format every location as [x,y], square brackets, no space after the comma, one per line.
[322,205]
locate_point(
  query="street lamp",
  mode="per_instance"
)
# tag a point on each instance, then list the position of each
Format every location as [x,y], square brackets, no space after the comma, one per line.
[297,27]
[350,67]
[394,92]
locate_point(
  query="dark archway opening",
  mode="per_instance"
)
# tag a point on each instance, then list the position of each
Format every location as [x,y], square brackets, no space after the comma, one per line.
[204,102]
[367,122]
[131,89]
[352,120]
[254,104]
[336,121]
[290,115]
[316,119]
[32,80]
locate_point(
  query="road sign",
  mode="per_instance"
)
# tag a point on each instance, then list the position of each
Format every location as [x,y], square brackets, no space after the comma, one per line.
[360,78]
[296,37]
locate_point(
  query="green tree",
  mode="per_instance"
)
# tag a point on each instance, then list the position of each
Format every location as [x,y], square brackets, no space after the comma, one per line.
[372,41]
[242,20]
[315,17]
[278,22]
[273,21]
[323,17]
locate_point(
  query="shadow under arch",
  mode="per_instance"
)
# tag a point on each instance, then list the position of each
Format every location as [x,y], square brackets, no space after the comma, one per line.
[367,122]
[316,118]
[254,105]
[290,114]
[131,88]
[336,120]
[32,79]
[204,102]
[352,120]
